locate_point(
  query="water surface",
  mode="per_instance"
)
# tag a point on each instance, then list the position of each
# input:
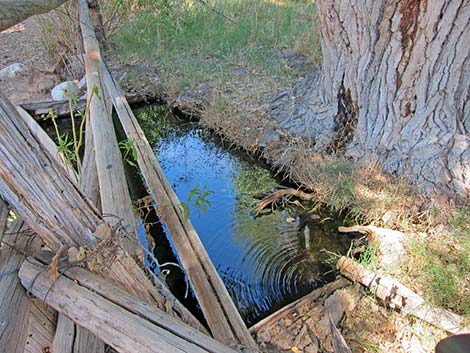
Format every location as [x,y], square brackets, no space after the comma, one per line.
[267,261]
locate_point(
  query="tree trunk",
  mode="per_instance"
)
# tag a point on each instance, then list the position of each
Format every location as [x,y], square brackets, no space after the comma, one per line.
[14,11]
[393,88]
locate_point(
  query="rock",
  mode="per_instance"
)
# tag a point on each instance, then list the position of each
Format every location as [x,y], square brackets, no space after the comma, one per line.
[64,90]
[12,70]
[82,83]
[191,102]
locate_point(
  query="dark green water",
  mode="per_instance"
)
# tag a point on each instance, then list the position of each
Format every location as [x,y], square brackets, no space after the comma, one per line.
[266,262]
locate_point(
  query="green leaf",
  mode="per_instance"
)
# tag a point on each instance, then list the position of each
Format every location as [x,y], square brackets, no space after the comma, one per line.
[185,208]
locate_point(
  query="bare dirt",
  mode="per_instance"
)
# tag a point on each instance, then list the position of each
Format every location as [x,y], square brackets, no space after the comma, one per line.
[22,44]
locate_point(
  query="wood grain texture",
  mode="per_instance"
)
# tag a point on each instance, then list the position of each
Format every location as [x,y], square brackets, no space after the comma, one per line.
[58,211]
[219,310]
[3,219]
[115,197]
[68,337]
[396,296]
[393,89]
[120,328]
[14,304]
[41,327]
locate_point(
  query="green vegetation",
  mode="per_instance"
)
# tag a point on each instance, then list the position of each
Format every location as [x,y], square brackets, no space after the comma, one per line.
[443,264]
[218,40]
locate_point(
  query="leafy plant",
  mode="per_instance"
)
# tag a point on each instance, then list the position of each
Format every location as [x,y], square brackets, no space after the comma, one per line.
[129,151]
[198,196]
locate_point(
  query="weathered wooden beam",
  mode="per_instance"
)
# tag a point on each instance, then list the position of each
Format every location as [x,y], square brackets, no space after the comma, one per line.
[115,197]
[219,310]
[3,219]
[14,305]
[41,327]
[122,329]
[62,108]
[71,338]
[30,181]
[68,338]
[38,132]
[396,296]
[37,188]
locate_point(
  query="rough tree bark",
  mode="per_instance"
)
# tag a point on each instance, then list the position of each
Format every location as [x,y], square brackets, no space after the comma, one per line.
[393,88]
[14,11]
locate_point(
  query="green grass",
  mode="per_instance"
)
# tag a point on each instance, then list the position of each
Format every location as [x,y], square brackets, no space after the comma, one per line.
[193,43]
[443,264]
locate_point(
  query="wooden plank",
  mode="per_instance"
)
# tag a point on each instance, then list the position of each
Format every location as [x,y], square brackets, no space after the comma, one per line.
[147,311]
[62,108]
[44,139]
[88,179]
[324,291]
[115,198]
[65,335]
[117,326]
[14,305]
[68,338]
[3,219]
[41,327]
[57,210]
[219,310]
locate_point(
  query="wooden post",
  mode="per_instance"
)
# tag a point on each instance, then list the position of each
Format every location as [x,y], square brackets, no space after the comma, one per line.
[219,310]
[114,319]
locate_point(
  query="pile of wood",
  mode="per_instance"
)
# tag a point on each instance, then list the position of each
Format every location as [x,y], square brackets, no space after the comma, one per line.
[75,247]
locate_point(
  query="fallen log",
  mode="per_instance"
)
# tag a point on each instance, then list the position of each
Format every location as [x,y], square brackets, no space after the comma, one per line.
[125,330]
[115,197]
[37,188]
[219,310]
[395,295]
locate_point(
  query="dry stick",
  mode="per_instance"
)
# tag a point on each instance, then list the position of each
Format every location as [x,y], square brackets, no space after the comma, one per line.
[272,198]
[121,320]
[219,310]
[56,209]
[396,296]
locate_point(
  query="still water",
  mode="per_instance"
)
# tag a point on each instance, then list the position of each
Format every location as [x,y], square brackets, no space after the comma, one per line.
[267,261]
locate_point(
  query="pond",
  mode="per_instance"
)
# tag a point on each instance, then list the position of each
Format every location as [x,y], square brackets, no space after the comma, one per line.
[266,261]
